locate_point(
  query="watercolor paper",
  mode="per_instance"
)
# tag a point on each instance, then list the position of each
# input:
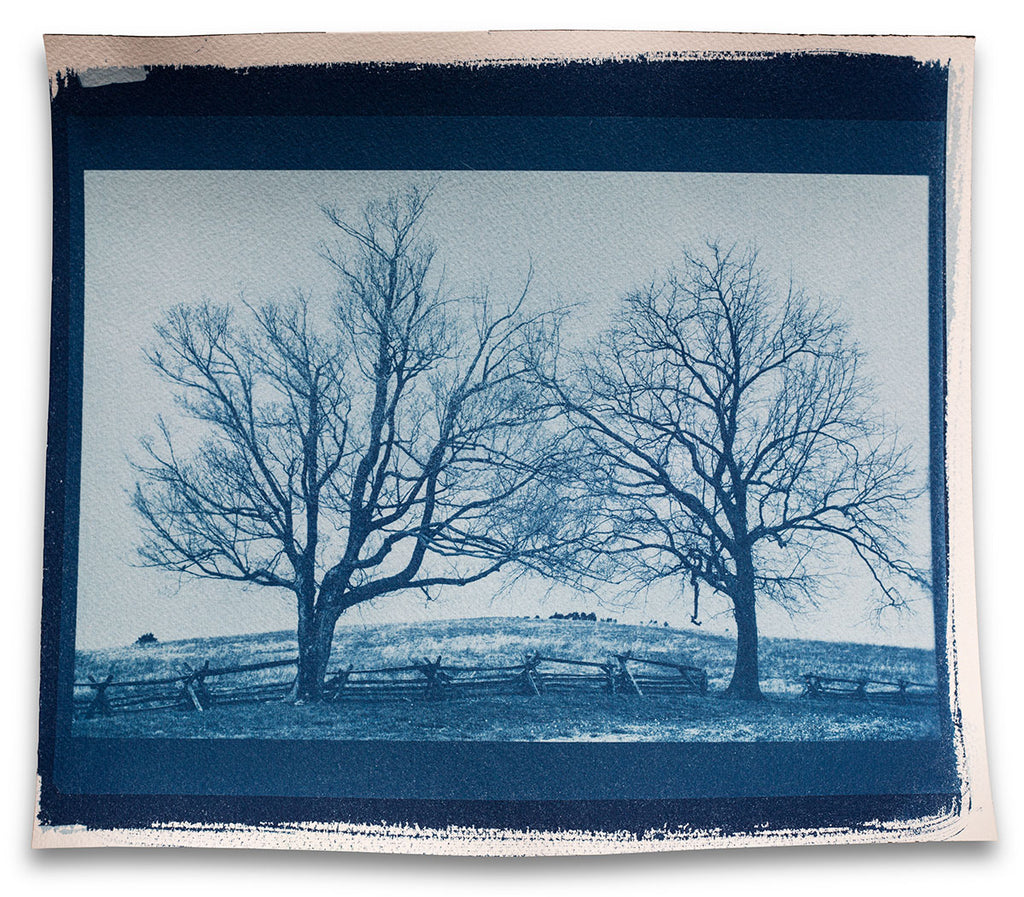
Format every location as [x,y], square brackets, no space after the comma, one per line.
[527,443]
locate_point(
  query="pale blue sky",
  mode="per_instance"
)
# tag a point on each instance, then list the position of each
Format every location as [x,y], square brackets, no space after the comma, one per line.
[154,239]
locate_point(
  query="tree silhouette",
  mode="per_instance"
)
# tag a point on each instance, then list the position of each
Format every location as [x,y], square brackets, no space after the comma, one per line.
[391,445]
[732,442]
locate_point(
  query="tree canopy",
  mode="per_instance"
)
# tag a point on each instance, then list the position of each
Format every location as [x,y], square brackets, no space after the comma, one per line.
[391,444]
[732,441]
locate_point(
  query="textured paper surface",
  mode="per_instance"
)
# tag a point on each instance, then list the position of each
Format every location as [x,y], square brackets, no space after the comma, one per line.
[105,63]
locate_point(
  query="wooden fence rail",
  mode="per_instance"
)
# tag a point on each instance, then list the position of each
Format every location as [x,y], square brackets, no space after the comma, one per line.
[428,678]
[900,691]
[198,688]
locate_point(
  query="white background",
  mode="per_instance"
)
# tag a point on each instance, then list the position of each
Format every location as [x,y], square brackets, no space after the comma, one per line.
[998,328]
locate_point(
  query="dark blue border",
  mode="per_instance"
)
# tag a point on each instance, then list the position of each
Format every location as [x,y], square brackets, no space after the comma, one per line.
[838,113]
[499,771]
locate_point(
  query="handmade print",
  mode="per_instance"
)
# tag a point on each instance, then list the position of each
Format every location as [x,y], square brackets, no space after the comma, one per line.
[509,444]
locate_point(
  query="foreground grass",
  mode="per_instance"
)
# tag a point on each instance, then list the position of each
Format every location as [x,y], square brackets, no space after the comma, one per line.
[577,715]
[551,717]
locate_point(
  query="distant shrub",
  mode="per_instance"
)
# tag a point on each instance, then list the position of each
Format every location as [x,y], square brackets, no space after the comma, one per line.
[147,638]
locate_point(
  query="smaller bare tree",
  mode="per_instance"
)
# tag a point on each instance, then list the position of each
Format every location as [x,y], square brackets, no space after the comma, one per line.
[733,442]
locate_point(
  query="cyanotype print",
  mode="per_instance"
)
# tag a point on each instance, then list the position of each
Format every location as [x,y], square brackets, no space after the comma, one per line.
[506,448]
[531,443]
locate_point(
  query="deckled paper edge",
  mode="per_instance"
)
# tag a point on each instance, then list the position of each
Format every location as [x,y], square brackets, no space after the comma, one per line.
[470,841]
[126,58]
[81,53]
[962,623]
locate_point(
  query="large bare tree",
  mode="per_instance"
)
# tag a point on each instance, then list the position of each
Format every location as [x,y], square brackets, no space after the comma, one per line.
[391,445]
[733,442]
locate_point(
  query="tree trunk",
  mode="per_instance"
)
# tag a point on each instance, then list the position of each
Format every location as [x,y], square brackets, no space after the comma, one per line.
[305,678]
[745,683]
[324,637]
[315,634]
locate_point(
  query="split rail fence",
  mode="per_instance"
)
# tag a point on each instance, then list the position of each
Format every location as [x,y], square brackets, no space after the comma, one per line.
[899,691]
[198,688]
[201,687]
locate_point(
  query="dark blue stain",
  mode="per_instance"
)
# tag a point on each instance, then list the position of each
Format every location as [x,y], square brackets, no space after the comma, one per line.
[830,113]
[499,770]
[823,86]
[522,143]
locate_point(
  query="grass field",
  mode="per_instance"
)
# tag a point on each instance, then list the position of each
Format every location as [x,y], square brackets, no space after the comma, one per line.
[578,715]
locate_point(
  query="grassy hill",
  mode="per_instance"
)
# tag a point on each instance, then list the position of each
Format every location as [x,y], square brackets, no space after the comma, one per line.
[503,640]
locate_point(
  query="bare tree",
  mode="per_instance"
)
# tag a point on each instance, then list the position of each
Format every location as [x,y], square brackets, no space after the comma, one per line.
[394,446]
[732,443]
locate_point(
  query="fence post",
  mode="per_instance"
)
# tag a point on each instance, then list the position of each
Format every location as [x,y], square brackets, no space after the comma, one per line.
[812,686]
[436,677]
[199,685]
[100,706]
[530,676]
[611,680]
[191,687]
[337,683]
[624,677]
